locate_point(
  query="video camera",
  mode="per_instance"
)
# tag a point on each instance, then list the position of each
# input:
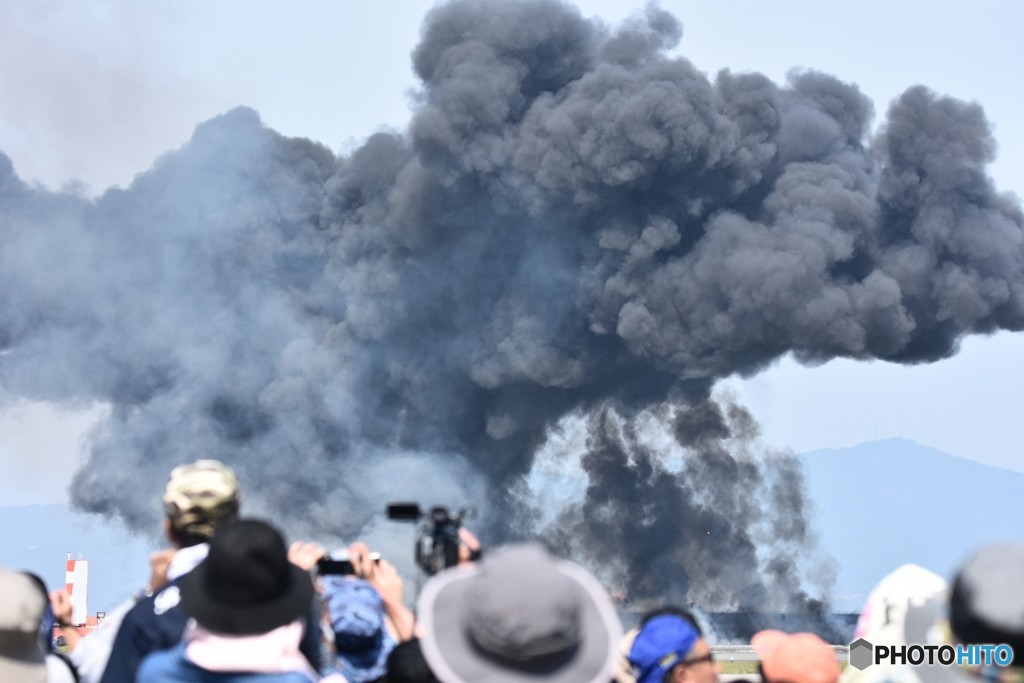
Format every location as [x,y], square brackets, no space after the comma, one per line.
[437,540]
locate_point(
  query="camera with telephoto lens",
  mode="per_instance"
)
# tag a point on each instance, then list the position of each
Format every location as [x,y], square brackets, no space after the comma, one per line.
[437,539]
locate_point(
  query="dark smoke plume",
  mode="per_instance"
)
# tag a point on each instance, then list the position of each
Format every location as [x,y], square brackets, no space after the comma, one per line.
[575,221]
[722,527]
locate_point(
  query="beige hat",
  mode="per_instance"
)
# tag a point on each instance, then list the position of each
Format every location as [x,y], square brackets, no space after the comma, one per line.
[201,495]
[22,605]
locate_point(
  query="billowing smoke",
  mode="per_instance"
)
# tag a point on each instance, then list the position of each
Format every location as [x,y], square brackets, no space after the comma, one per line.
[717,523]
[575,221]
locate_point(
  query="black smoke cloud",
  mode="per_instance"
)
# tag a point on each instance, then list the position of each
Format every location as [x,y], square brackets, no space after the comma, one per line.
[718,522]
[574,221]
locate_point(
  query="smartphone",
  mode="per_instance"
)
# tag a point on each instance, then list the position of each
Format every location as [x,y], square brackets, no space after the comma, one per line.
[340,566]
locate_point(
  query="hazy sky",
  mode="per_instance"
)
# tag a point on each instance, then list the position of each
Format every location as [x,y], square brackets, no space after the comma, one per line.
[91,93]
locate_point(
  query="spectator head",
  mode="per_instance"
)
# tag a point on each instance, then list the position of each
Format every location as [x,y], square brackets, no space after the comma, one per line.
[669,648]
[198,498]
[246,585]
[22,607]
[361,639]
[796,658]
[517,616]
[407,665]
[903,608]
[986,604]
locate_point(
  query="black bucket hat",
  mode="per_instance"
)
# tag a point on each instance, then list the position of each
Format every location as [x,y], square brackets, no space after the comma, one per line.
[246,585]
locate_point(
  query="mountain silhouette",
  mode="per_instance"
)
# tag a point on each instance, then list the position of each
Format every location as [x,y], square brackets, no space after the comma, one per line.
[874,507]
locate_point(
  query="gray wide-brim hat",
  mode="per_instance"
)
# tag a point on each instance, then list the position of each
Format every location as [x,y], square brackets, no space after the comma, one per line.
[28,665]
[21,610]
[520,615]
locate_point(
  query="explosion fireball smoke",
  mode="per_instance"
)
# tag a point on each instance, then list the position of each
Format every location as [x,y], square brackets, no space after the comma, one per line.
[575,221]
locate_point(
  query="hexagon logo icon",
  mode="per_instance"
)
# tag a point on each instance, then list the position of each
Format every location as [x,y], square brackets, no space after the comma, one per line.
[861,654]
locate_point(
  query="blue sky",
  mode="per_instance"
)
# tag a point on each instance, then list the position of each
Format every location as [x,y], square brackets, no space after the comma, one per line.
[93,92]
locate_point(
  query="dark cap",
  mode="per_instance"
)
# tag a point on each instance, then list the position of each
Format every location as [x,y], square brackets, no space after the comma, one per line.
[987,603]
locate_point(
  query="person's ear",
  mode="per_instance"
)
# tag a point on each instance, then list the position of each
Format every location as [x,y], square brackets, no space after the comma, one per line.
[169,532]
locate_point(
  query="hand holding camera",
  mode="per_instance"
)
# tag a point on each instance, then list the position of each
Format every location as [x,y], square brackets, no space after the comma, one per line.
[305,555]
[356,560]
[441,540]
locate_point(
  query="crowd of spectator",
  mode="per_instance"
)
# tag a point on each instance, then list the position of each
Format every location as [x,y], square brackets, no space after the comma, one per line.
[233,603]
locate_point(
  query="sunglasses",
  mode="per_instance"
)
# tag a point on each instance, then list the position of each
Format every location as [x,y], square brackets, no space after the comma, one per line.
[709,657]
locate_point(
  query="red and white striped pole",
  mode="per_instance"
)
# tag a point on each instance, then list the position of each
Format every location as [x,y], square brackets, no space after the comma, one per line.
[76,583]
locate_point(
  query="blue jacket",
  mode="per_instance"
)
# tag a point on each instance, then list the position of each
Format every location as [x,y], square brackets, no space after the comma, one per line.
[158,623]
[154,623]
[171,666]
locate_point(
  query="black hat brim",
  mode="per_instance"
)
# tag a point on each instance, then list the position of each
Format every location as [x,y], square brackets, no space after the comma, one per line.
[214,615]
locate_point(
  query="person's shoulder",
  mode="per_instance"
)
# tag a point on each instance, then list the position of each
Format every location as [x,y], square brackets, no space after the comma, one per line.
[298,677]
[59,670]
[334,678]
[159,665]
[271,677]
[155,623]
[165,601]
[286,677]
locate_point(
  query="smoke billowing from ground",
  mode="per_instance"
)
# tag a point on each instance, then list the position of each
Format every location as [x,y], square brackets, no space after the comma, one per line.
[717,523]
[574,221]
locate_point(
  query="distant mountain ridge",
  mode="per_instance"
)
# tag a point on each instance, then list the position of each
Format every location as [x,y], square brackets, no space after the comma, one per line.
[881,504]
[875,506]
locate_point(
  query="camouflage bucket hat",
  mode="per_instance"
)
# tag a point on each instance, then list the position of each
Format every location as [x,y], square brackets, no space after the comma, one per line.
[201,495]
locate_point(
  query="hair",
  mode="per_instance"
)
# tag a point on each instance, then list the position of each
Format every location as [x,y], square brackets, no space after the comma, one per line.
[187,538]
[407,665]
